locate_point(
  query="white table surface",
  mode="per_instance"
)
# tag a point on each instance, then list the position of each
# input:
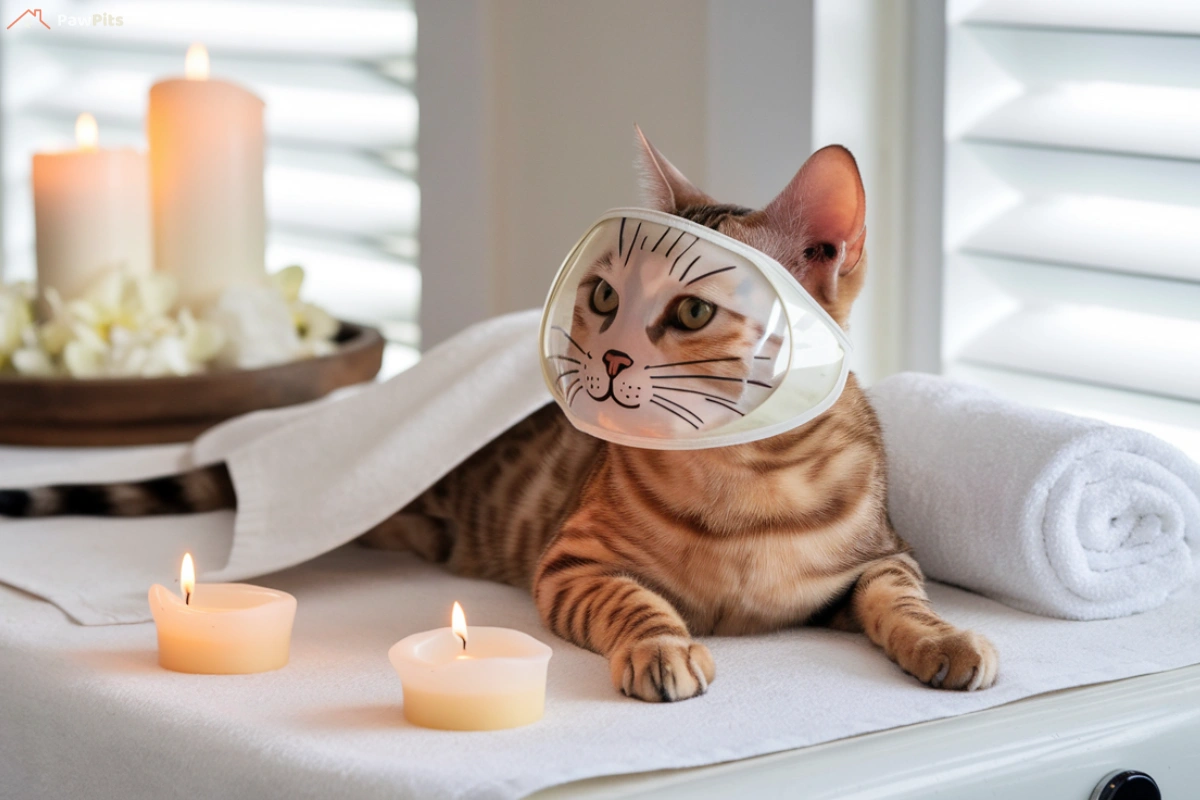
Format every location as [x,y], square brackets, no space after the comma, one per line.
[86,712]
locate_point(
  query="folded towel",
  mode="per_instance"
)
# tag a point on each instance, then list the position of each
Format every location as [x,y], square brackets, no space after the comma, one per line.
[1047,512]
[308,478]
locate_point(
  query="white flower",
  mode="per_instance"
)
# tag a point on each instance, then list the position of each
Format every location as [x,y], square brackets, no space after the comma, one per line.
[314,324]
[33,361]
[288,282]
[54,334]
[129,301]
[258,328]
[201,338]
[83,359]
[16,318]
[126,326]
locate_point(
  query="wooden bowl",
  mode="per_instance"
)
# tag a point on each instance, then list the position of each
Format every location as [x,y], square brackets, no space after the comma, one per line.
[70,412]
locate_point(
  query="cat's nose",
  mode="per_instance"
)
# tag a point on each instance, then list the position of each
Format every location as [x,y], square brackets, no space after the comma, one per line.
[616,361]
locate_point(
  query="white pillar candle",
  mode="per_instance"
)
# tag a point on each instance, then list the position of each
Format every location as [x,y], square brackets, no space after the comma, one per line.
[91,210]
[492,679]
[206,170]
[221,628]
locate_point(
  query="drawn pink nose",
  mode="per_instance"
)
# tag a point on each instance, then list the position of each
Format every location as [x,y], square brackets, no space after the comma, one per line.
[616,361]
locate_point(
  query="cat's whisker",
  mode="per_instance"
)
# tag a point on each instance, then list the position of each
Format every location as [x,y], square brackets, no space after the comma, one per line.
[706,275]
[676,413]
[563,331]
[711,378]
[621,238]
[680,406]
[562,375]
[697,361]
[566,358]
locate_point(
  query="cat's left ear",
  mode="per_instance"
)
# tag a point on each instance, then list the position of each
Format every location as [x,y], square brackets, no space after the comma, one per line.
[826,204]
[663,186]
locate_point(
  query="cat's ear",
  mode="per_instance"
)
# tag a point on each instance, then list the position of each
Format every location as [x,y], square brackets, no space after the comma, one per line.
[826,206]
[663,186]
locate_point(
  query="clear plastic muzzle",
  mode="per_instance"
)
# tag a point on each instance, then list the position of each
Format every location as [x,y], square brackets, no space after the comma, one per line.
[663,334]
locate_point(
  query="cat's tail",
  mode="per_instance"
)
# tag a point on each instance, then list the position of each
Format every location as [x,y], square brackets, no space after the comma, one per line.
[203,489]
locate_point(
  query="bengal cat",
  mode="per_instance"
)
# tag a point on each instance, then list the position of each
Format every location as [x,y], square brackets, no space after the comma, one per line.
[631,553]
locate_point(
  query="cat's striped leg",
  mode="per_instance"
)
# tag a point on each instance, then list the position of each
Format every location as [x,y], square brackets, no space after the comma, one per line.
[588,599]
[890,603]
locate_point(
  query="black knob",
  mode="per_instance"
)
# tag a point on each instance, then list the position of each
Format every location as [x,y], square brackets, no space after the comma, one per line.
[1127,784]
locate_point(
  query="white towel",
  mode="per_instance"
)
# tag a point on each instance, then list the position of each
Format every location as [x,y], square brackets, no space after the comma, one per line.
[308,478]
[1047,512]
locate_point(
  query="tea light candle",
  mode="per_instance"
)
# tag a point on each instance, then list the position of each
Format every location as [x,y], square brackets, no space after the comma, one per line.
[492,679]
[221,628]
[92,213]
[206,172]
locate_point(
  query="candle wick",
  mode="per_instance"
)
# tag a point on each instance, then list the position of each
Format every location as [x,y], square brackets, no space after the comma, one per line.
[187,601]
[464,641]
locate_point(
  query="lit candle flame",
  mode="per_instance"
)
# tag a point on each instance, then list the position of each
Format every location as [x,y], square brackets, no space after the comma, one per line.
[458,624]
[87,133]
[187,578]
[195,65]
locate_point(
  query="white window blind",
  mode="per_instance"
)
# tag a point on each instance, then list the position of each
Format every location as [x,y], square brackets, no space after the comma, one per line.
[341,122]
[1072,207]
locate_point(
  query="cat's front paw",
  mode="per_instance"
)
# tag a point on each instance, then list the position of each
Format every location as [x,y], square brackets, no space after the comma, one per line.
[957,659]
[662,669]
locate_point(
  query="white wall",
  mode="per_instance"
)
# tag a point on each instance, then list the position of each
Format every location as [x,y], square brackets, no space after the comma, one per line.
[527,113]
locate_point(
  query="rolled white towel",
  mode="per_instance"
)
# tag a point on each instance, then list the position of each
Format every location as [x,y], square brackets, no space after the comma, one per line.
[1046,512]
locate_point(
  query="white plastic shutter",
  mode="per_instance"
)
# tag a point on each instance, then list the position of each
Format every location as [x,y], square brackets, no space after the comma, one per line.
[1072,207]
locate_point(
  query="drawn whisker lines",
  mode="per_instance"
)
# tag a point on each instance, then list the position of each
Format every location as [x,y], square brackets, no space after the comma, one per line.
[658,400]
[682,253]
[629,252]
[705,275]
[577,386]
[725,406]
[660,240]
[716,399]
[697,361]
[711,378]
[576,344]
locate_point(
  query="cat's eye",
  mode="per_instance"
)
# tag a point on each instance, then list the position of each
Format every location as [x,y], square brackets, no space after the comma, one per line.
[604,298]
[692,313]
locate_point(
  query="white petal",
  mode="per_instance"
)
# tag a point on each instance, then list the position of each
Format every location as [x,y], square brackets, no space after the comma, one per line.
[32,361]
[288,281]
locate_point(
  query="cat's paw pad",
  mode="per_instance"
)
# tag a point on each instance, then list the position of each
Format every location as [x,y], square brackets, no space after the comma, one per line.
[663,669]
[958,659]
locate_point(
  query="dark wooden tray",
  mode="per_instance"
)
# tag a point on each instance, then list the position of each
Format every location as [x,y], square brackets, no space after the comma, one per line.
[67,412]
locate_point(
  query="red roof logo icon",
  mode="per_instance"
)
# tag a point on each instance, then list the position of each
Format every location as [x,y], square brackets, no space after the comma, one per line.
[32,13]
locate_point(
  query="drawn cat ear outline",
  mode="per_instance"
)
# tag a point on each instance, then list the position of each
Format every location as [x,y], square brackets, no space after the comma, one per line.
[663,186]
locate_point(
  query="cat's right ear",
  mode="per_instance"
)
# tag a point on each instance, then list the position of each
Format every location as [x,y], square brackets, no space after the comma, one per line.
[663,186]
